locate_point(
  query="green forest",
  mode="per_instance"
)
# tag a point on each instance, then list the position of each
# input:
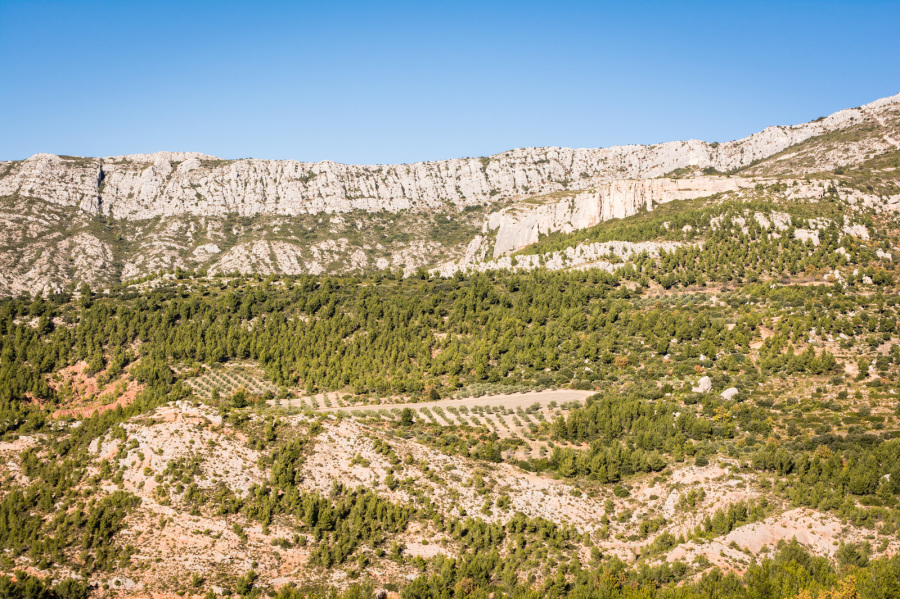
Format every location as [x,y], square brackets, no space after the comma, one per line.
[814,415]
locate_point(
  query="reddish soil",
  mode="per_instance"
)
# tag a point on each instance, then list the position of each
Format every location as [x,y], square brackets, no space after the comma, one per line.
[87,394]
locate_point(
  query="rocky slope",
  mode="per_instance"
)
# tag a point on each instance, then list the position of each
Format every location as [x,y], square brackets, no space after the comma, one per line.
[524,223]
[100,220]
[174,183]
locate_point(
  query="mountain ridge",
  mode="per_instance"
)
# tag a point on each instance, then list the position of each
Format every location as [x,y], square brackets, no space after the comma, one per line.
[289,187]
[191,211]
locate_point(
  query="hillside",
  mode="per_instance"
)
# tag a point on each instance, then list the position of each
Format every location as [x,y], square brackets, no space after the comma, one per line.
[674,378]
[71,220]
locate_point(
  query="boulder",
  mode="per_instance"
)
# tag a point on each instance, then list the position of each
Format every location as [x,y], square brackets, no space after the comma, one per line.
[704,385]
[858,231]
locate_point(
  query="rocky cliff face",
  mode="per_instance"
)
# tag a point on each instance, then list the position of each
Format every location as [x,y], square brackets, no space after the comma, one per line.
[524,223]
[158,211]
[170,183]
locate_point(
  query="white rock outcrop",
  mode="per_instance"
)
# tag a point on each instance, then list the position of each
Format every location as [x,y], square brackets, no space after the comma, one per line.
[608,256]
[807,235]
[523,224]
[858,231]
[145,186]
[729,393]
[704,385]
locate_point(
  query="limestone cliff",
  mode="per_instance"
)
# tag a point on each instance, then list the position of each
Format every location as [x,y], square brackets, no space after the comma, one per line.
[171,183]
[524,223]
[68,219]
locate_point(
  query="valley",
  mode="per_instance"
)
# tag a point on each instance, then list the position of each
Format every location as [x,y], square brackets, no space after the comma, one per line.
[643,372]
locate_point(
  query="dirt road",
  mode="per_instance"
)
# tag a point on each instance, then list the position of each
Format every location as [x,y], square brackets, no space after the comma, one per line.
[511,401]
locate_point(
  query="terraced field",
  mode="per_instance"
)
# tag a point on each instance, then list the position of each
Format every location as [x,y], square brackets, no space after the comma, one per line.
[230,378]
[515,415]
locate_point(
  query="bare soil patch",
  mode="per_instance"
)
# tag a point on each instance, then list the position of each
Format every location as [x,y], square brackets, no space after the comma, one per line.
[86,394]
[512,400]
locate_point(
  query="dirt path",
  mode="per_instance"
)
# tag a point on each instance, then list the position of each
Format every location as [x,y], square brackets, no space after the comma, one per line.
[512,401]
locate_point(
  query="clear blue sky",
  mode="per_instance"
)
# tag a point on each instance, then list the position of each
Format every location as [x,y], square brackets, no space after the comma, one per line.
[401,82]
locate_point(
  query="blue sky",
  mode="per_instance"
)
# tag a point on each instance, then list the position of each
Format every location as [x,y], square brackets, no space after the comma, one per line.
[400,82]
